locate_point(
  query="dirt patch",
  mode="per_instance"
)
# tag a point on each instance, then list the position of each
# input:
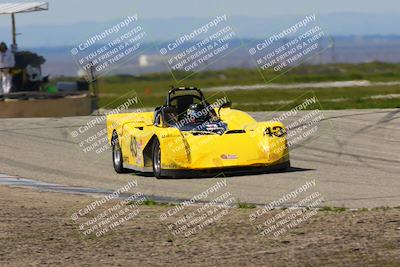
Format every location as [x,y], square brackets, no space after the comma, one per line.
[36,230]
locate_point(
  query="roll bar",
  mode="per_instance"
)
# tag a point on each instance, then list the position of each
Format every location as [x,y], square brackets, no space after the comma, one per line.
[173,90]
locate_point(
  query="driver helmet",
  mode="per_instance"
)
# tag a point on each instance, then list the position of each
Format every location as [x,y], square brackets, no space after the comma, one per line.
[197,113]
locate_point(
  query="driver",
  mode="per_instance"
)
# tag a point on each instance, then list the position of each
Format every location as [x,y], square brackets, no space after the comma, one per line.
[197,113]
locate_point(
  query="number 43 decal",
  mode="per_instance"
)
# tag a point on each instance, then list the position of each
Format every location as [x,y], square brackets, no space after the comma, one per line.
[278,131]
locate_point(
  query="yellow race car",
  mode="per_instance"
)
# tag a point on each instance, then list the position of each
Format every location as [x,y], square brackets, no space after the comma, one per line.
[189,136]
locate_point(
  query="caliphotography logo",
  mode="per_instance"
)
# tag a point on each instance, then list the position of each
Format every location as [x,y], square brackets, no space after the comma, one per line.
[199,133]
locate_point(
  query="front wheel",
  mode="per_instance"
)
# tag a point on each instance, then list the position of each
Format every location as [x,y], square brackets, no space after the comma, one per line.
[157,159]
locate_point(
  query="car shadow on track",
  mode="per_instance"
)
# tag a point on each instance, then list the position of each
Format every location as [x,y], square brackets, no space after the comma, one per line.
[222,173]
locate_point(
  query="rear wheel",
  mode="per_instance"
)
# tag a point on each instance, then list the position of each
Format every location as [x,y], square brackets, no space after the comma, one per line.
[117,154]
[157,159]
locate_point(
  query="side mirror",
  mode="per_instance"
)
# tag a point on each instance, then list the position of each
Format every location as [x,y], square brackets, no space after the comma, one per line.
[227,104]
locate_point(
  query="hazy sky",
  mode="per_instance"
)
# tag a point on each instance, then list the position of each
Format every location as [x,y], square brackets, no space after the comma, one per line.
[72,11]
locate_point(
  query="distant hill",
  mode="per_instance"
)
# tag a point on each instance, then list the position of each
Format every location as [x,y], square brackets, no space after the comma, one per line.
[348,49]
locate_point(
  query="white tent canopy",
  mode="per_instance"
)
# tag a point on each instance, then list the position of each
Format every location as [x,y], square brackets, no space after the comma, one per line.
[12,8]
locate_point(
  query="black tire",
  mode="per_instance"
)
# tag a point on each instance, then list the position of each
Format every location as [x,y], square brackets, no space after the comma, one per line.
[117,159]
[156,157]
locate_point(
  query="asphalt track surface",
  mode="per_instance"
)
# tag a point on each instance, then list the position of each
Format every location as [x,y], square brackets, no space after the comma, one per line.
[354,158]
